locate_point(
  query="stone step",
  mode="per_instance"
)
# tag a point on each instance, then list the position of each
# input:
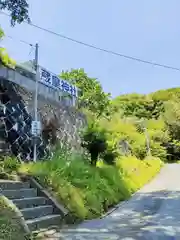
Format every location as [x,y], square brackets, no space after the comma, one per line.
[37,212]
[20,193]
[12,185]
[29,202]
[44,222]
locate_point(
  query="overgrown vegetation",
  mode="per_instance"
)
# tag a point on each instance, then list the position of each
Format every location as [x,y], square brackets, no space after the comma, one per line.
[11,224]
[89,191]
[8,168]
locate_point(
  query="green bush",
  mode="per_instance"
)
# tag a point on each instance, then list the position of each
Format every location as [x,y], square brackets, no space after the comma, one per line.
[10,164]
[94,140]
[8,168]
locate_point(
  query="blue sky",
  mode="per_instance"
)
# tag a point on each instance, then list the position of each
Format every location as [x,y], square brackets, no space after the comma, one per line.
[143,29]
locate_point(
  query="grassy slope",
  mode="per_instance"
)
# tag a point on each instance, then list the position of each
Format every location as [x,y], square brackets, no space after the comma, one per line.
[88,191]
[139,172]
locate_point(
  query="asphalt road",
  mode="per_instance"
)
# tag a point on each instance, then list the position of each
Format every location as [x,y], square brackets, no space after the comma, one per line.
[152,213]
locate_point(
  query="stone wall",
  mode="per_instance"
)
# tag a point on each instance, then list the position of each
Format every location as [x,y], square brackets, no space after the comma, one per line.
[69,120]
[17,114]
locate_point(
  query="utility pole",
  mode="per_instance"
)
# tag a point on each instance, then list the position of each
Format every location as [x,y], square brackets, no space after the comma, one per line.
[147,139]
[35,122]
[142,122]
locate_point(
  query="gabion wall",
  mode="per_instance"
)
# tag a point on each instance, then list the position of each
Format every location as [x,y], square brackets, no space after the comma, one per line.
[16,114]
[15,127]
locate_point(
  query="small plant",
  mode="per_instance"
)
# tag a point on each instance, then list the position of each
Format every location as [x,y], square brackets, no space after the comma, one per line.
[3,175]
[8,168]
[10,164]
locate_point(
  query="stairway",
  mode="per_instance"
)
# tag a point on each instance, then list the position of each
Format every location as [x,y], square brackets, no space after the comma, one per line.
[37,211]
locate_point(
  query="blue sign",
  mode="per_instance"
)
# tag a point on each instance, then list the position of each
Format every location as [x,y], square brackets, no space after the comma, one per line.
[54,81]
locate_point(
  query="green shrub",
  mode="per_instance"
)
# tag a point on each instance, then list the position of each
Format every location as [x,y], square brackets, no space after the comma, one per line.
[8,168]
[10,164]
[94,140]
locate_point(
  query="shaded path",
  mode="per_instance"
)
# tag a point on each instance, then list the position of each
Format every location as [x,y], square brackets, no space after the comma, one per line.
[152,213]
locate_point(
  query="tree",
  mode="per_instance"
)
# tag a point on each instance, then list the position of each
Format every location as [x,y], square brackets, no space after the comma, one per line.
[94,140]
[4,57]
[91,95]
[172,118]
[18,10]
[141,106]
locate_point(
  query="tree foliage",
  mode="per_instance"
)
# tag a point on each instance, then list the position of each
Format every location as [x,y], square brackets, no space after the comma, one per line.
[161,110]
[138,122]
[91,94]
[18,10]
[140,106]
[4,56]
[96,140]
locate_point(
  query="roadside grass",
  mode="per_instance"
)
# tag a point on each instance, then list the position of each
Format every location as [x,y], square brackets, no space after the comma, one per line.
[88,191]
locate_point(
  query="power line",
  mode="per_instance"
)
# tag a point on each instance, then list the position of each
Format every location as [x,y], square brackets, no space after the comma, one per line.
[32,47]
[98,48]
[19,40]
[31,50]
